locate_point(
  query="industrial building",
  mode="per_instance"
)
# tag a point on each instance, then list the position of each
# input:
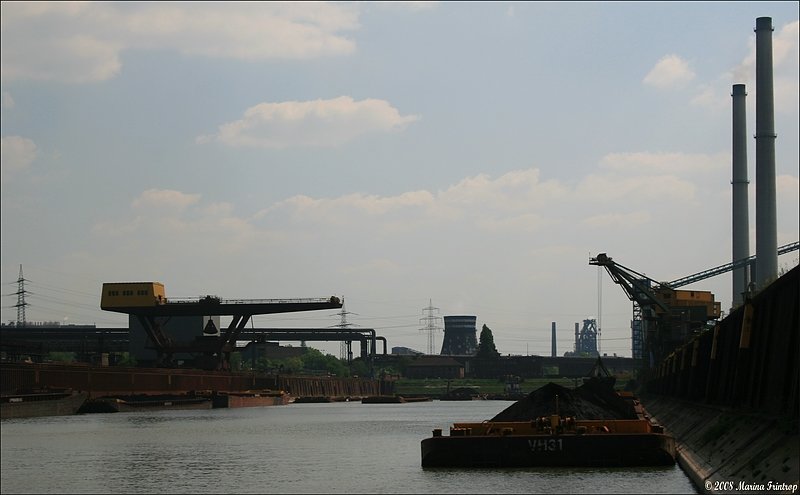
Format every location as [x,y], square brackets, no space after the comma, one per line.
[460,336]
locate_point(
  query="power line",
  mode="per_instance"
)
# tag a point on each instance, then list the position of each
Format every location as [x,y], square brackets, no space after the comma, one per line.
[430,326]
[344,353]
[21,299]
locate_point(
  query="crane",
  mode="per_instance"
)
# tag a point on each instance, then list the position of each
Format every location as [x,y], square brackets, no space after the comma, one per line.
[662,315]
[712,272]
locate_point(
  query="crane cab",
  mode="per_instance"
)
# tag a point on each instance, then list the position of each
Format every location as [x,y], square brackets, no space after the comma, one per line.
[132,294]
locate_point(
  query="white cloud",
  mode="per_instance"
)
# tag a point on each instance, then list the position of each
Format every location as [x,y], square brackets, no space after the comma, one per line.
[670,72]
[785,45]
[788,187]
[664,162]
[412,6]
[165,200]
[606,220]
[785,63]
[309,123]
[604,188]
[712,97]
[652,176]
[81,42]
[8,101]
[17,152]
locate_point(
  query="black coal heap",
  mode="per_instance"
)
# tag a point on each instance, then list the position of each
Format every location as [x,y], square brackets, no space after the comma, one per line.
[595,399]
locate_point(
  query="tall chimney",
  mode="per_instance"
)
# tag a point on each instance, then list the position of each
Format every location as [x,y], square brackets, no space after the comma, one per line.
[553,345]
[766,216]
[576,337]
[741,221]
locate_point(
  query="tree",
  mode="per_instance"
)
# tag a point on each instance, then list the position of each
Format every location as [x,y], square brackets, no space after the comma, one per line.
[61,357]
[486,347]
[125,359]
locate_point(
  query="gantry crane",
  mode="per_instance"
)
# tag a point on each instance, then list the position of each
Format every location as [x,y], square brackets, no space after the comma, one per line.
[664,317]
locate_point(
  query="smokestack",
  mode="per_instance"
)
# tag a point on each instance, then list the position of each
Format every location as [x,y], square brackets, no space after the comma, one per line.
[741,222]
[576,337]
[553,345]
[766,216]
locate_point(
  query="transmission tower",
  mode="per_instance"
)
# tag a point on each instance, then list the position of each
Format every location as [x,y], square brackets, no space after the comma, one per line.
[21,299]
[430,326]
[345,353]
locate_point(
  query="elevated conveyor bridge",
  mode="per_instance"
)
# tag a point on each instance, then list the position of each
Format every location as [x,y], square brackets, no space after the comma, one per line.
[147,302]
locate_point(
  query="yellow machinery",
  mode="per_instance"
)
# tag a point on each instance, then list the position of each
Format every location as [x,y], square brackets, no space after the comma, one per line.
[132,295]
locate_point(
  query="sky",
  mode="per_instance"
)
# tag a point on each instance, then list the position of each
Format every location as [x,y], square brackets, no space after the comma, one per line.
[470,157]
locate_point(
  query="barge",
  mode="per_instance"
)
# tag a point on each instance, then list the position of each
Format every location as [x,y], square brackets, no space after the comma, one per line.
[42,403]
[137,403]
[250,398]
[393,399]
[550,441]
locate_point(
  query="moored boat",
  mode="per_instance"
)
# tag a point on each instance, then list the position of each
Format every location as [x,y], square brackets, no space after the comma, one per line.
[550,441]
[43,403]
[591,425]
[393,399]
[133,403]
[257,398]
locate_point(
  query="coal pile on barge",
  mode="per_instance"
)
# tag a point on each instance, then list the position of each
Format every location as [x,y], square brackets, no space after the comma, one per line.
[591,425]
[594,399]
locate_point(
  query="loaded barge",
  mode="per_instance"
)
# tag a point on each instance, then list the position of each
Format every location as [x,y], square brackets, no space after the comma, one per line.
[550,441]
[595,426]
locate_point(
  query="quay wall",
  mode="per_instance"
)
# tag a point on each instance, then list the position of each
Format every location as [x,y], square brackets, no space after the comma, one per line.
[100,381]
[731,396]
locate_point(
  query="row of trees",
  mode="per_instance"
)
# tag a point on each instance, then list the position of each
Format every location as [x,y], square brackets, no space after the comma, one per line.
[312,360]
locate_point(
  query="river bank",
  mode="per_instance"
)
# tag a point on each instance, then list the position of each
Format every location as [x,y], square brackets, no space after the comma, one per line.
[723,450]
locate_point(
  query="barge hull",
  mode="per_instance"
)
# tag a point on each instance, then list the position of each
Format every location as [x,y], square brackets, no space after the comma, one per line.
[232,400]
[607,450]
[38,405]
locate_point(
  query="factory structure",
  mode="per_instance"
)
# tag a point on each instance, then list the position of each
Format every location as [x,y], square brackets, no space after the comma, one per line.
[166,331]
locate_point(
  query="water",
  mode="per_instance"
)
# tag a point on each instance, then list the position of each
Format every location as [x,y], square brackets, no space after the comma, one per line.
[345,447]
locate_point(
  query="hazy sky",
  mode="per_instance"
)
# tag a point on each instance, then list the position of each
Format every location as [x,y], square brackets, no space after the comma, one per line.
[474,155]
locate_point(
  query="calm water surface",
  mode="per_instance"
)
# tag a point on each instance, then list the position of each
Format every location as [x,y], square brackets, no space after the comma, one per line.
[345,447]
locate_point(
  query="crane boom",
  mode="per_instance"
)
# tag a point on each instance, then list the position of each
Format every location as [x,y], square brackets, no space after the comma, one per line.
[664,315]
[636,285]
[712,272]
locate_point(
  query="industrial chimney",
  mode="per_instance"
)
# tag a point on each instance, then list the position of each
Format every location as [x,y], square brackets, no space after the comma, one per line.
[576,338]
[553,352]
[766,215]
[741,222]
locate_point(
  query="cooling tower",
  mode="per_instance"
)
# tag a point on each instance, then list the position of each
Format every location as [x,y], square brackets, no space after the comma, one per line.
[459,336]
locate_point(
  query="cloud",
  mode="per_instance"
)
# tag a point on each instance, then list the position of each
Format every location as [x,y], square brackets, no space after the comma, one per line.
[8,101]
[788,187]
[617,219]
[17,152]
[81,42]
[670,72]
[309,123]
[712,96]
[664,162]
[411,6]
[651,176]
[785,56]
[165,200]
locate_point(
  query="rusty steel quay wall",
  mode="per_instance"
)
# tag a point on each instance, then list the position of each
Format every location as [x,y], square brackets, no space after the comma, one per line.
[750,361]
[730,397]
[105,381]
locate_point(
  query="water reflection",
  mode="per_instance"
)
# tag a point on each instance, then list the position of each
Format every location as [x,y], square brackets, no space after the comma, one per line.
[303,448]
